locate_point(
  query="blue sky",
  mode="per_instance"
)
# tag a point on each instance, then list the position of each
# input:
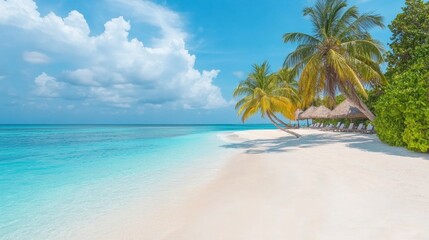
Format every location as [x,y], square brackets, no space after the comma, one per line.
[141,61]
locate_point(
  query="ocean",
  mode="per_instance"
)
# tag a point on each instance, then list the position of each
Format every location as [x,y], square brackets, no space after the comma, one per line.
[54,176]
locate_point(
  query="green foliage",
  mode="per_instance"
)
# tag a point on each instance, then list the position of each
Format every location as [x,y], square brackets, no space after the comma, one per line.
[327,101]
[416,133]
[373,96]
[390,119]
[410,29]
[403,108]
[267,93]
[403,111]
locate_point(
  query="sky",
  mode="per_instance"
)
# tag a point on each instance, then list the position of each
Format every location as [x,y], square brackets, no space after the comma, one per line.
[143,61]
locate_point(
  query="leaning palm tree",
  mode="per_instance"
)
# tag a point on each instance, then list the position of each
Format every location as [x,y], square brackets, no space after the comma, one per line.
[263,92]
[340,56]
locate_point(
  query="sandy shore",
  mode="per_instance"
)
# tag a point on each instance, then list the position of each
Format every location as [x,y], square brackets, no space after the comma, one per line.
[322,186]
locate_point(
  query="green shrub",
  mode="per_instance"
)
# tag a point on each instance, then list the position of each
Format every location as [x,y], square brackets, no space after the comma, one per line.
[416,133]
[390,116]
[403,110]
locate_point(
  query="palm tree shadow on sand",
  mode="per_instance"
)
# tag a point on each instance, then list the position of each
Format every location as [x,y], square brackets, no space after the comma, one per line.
[367,143]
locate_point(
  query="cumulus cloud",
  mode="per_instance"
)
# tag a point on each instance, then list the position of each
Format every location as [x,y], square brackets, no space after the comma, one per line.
[35,57]
[47,86]
[112,68]
[151,13]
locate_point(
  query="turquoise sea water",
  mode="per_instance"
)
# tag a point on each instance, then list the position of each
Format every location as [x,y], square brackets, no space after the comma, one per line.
[54,175]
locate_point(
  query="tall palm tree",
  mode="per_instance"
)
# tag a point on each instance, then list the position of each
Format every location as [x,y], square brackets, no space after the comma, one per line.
[340,55]
[263,92]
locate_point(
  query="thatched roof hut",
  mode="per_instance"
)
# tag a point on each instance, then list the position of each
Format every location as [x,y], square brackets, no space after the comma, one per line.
[321,112]
[307,114]
[346,109]
[298,113]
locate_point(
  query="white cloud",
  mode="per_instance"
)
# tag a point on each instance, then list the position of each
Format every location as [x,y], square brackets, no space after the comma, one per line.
[47,86]
[35,57]
[151,13]
[238,74]
[111,67]
[2,77]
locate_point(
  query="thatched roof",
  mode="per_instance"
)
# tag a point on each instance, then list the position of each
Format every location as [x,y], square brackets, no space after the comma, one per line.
[307,114]
[321,112]
[346,109]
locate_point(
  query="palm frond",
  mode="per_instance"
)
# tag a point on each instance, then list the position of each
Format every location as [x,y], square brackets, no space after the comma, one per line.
[250,111]
[347,18]
[368,48]
[300,54]
[301,38]
[264,92]
[242,90]
[362,24]
[344,71]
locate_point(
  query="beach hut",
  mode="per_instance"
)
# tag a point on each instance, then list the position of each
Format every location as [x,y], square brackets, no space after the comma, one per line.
[321,112]
[346,109]
[298,113]
[307,114]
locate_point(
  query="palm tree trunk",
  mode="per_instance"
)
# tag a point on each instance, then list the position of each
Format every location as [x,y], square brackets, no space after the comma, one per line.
[278,119]
[279,127]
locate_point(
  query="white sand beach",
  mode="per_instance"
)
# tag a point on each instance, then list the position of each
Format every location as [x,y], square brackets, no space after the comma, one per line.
[323,186]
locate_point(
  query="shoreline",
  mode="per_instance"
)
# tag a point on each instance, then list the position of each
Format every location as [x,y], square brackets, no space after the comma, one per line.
[322,186]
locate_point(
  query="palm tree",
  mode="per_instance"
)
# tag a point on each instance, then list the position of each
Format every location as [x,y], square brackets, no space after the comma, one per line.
[340,55]
[263,92]
[285,77]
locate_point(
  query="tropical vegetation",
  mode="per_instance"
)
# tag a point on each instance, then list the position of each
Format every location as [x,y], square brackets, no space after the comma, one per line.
[340,55]
[340,60]
[269,94]
[403,107]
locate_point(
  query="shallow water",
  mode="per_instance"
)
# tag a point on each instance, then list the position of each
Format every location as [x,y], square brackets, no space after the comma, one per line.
[52,176]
